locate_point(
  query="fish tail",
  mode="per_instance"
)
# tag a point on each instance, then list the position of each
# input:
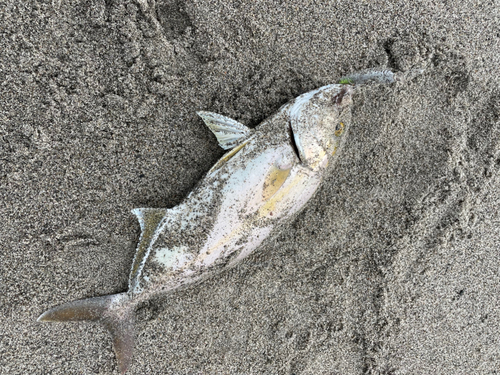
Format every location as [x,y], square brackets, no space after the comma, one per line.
[112,311]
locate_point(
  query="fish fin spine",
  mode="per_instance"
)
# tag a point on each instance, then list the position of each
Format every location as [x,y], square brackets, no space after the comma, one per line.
[229,132]
[114,312]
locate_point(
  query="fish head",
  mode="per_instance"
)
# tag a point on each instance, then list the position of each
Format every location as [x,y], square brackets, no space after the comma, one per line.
[317,122]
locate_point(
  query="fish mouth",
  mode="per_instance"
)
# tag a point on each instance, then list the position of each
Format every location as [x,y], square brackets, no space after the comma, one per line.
[344,96]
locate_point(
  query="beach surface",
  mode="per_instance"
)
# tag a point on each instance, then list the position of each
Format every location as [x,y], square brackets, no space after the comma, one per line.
[392,268]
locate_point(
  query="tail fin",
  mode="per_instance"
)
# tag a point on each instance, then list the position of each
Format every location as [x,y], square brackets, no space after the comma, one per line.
[112,311]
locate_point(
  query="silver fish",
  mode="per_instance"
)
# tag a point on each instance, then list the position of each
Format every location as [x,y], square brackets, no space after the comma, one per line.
[265,179]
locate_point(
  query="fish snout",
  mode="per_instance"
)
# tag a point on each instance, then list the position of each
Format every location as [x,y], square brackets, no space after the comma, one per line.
[344,96]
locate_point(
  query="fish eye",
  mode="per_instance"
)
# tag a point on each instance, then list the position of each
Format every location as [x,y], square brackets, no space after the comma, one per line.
[339,129]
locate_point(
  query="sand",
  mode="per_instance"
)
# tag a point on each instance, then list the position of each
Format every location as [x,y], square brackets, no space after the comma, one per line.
[392,268]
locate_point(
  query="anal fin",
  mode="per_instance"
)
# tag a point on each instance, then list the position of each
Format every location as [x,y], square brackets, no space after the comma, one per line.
[149,219]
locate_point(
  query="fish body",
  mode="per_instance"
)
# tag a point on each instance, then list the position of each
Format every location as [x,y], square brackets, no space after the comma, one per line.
[262,182]
[267,176]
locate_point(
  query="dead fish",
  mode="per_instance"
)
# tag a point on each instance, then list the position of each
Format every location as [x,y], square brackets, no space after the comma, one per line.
[262,182]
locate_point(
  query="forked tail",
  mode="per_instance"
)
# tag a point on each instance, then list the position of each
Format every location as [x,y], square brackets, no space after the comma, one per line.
[112,311]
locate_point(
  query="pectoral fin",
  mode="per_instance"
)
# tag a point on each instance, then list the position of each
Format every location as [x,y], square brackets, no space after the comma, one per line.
[229,132]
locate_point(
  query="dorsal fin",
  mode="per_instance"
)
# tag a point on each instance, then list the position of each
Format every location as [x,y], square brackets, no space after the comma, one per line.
[229,132]
[149,219]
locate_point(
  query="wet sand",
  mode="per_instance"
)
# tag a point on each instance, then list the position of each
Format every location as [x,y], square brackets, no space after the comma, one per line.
[392,268]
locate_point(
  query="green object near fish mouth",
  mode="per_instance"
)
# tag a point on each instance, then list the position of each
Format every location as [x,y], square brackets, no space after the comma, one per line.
[345,81]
